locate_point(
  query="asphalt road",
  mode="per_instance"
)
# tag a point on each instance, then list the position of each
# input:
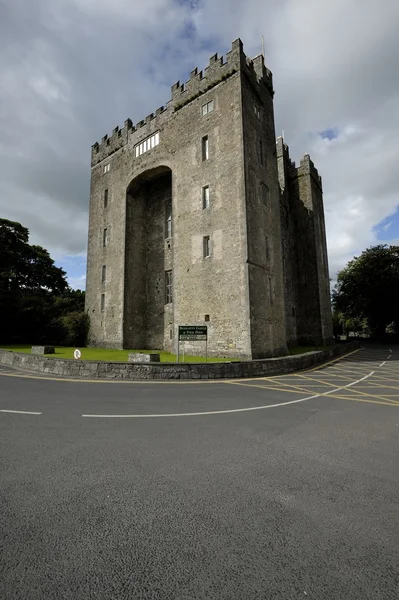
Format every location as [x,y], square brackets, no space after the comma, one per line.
[277,488]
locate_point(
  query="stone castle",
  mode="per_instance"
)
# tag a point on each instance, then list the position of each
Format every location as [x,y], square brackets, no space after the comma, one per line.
[198,217]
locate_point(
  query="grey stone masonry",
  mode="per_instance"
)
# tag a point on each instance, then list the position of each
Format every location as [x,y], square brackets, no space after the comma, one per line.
[138,357]
[197,218]
[227,370]
[43,350]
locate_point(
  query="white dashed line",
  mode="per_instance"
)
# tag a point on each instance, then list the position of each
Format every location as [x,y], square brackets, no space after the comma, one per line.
[224,412]
[20,412]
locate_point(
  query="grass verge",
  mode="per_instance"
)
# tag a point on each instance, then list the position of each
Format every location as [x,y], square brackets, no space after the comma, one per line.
[107,355]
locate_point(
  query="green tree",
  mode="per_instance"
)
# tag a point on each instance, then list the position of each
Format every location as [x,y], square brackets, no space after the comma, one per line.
[368,288]
[35,299]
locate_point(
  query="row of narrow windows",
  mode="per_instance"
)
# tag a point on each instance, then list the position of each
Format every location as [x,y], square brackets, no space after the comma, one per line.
[153,140]
[205,195]
[169,290]
[206,201]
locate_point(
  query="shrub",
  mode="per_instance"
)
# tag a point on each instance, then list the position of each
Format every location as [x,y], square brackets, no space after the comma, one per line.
[75,328]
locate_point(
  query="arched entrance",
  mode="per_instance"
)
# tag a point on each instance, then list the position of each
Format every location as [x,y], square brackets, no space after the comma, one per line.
[148,312]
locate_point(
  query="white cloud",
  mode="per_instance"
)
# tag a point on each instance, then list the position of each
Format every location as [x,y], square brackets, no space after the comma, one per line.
[72,70]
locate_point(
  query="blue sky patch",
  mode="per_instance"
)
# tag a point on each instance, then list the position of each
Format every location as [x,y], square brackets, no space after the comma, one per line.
[75,266]
[329,134]
[388,228]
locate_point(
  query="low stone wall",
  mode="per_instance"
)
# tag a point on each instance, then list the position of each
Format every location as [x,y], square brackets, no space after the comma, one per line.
[117,370]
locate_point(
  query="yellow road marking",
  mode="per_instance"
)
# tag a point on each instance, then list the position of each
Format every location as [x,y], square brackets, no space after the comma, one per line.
[382,385]
[263,387]
[382,378]
[361,400]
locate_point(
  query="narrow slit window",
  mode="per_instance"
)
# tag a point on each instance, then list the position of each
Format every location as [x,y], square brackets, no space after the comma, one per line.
[168,219]
[205,148]
[205,197]
[267,248]
[261,152]
[270,290]
[103,273]
[168,287]
[102,302]
[105,237]
[264,194]
[106,198]
[206,244]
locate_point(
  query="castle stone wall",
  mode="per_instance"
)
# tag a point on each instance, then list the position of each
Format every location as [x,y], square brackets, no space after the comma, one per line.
[263,284]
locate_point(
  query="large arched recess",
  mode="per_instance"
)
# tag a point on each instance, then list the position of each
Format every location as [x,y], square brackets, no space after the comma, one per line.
[148,312]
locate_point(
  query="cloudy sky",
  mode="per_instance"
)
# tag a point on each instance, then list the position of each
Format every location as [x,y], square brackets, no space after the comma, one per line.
[71,70]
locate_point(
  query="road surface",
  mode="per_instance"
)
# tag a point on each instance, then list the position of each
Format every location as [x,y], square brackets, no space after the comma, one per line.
[277,488]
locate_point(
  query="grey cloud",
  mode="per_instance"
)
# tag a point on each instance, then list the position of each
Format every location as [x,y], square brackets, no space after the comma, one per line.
[72,70]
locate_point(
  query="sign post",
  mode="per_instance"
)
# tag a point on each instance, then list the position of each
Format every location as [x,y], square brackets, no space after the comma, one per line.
[192,333]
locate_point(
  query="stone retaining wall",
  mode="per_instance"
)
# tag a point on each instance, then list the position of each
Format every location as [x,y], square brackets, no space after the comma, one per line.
[117,370]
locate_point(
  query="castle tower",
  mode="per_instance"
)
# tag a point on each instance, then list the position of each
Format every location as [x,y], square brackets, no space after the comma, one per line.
[306,275]
[185,225]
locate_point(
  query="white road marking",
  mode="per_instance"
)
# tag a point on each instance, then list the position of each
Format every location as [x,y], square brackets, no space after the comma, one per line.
[223,412]
[20,412]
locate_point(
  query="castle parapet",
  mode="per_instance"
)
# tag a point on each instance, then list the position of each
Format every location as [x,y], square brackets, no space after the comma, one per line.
[119,137]
[200,82]
[217,71]
[307,168]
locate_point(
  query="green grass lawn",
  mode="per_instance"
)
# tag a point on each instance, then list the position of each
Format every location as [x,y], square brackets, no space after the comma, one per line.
[102,354]
[303,349]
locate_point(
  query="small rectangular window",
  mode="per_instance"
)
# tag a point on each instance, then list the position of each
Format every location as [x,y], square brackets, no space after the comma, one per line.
[206,317]
[105,237]
[270,290]
[207,108]
[205,196]
[264,194]
[168,287]
[107,168]
[261,152]
[168,218]
[103,273]
[206,244]
[205,148]
[105,198]
[102,305]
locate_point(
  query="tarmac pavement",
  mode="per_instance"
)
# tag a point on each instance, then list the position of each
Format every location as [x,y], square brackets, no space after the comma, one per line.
[277,488]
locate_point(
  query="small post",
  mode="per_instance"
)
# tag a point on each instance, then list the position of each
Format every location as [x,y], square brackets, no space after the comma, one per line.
[178,348]
[206,349]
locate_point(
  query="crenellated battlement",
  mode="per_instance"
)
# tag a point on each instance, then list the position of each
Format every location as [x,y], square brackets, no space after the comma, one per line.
[307,168]
[283,151]
[120,137]
[199,83]
[218,70]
